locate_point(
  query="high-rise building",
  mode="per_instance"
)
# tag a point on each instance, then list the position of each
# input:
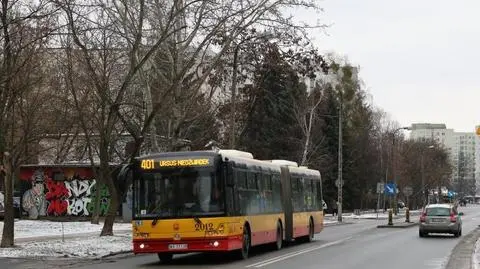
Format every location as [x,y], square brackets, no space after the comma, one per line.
[434,132]
[477,157]
[464,161]
[460,147]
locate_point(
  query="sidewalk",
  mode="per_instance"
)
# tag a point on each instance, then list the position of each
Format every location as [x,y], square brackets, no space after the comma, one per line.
[466,254]
[79,239]
[380,215]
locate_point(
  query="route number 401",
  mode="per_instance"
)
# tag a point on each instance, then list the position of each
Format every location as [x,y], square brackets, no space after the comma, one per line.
[147,164]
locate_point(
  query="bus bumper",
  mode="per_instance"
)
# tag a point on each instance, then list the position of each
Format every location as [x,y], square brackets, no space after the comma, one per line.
[187,245]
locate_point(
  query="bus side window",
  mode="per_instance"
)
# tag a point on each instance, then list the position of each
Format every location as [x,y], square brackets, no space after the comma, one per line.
[313,189]
[242,193]
[277,193]
[267,191]
[241,179]
[295,194]
[319,195]
[307,186]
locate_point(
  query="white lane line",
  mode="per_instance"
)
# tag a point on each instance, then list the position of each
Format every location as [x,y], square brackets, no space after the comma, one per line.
[274,258]
[437,263]
[295,253]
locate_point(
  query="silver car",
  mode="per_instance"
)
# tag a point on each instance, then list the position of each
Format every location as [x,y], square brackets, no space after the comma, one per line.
[440,218]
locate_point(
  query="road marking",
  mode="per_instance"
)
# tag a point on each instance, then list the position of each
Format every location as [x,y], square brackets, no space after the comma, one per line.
[436,263]
[295,253]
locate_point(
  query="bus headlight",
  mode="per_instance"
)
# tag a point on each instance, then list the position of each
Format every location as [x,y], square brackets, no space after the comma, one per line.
[216,244]
[142,246]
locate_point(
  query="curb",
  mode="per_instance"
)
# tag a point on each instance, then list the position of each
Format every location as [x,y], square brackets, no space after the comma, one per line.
[399,225]
[461,256]
[337,224]
[67,236]
[111,254]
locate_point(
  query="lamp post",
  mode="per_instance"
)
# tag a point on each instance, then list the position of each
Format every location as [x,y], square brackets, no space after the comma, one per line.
[424,197]
[394,171]
[340,166]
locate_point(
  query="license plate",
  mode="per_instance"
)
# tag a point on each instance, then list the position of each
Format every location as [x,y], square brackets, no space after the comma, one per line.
[437,220]
[177,246]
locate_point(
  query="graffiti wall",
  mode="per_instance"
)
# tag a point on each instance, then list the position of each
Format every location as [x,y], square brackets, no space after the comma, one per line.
[62,192]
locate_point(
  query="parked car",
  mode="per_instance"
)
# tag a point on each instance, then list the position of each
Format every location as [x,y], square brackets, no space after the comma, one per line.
[440,218]
[16,204]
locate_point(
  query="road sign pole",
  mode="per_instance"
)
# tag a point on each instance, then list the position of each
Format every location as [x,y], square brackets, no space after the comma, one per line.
[378,203]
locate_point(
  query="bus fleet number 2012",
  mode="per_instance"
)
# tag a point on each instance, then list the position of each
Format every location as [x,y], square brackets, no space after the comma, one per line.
[204,226]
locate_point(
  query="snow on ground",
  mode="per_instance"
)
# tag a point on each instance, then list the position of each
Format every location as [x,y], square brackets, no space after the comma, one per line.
[476,256]
[35,238]
[329,221]
[87,247]
[37,228]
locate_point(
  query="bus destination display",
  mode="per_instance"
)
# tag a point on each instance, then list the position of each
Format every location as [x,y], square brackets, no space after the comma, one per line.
[155,164]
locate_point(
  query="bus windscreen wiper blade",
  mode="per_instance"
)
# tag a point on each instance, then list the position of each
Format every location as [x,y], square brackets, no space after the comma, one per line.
[197,220]
[155,220]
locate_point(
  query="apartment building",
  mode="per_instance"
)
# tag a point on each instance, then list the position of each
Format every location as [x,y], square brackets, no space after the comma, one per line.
[477,157]
[461,146]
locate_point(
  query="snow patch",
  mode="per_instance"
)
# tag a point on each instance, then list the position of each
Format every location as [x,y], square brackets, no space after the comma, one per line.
[38,238]
[476,256]
[39,228]
[88,247]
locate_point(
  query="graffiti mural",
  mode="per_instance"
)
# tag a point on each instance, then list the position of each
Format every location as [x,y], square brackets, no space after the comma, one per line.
[34,201]
[56,196]
[74,195]
[79,196]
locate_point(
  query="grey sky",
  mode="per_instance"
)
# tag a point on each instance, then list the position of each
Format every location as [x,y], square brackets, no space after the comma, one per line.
[418,58]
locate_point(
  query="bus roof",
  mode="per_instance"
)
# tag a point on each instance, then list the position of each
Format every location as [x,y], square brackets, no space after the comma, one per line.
[239,157]
[179,154]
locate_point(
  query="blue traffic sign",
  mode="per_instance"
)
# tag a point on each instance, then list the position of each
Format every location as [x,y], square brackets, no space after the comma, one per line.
[390,189]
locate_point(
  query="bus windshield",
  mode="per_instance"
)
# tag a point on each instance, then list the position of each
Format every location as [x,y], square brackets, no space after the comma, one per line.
[176,193]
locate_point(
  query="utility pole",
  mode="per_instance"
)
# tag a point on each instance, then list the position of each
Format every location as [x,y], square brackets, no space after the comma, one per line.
[340,162]
[394,171]
[424,201]
[422,167]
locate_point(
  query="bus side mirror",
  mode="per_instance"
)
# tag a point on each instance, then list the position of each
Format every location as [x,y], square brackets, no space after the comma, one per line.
[228,174]
[123,177]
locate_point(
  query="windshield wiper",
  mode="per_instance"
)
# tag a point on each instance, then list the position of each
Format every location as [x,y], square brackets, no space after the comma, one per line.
[197,220]
[155,220]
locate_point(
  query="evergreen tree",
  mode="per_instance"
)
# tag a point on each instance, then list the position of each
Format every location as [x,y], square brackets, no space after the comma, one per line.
[328,164]
[271,130]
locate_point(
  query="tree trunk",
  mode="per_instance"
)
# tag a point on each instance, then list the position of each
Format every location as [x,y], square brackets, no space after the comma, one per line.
[112,210]
[234,98]
[8,222]
[106,177]
[305,148]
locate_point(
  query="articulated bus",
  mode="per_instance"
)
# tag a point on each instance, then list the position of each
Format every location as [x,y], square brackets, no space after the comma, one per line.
[221,201]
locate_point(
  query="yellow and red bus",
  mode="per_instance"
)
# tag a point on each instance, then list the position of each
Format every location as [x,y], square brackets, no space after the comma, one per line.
[220,201]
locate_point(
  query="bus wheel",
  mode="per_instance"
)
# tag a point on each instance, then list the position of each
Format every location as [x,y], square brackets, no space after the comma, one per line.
[246,243]
[311,232]
[278,243]
[165,257]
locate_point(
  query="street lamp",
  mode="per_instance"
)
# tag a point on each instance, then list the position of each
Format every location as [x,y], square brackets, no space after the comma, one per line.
[424,199]
[394,172]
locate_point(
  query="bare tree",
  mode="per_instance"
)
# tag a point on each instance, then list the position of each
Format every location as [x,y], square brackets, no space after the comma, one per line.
[307,115]
[136,31]
[25,25]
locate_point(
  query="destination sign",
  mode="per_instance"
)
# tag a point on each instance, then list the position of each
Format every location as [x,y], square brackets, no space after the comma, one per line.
[155,164]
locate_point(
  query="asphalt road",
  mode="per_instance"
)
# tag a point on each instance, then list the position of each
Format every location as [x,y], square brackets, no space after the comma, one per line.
[360,245]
